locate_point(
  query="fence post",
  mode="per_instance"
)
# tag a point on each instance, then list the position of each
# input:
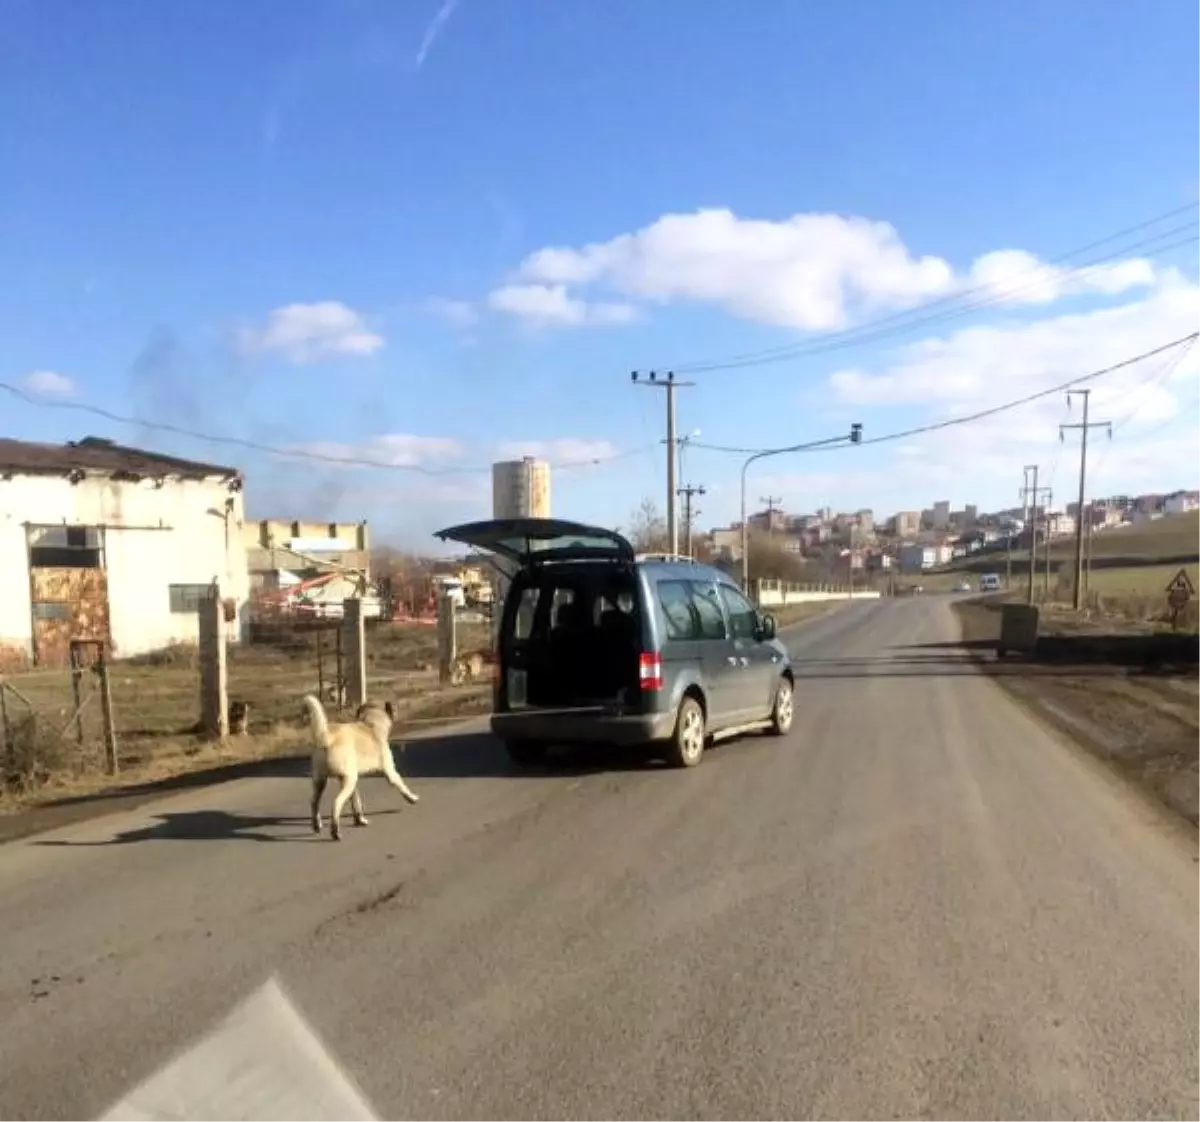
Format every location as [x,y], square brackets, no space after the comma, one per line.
[354,644]
[111,760]
[447,640]
[214,676]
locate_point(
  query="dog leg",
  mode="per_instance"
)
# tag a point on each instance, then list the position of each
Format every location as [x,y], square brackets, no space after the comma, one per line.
[356,804]
[348,783]
[318,789]
[393,777]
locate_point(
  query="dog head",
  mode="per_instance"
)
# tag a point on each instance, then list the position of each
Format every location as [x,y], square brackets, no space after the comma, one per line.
[379,717]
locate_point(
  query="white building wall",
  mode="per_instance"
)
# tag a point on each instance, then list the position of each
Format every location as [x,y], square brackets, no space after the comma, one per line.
[153,537]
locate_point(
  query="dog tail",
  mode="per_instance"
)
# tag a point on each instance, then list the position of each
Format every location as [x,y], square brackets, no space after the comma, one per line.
[317,720]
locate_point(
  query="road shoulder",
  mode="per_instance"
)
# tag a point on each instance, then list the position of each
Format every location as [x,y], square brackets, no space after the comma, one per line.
[1139,718]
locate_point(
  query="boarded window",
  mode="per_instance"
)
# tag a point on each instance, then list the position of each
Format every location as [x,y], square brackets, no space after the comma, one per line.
[66,547]
[188,597]
[51,610]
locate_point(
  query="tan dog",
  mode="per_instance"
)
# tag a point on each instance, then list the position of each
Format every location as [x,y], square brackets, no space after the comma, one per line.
[467,668]
[346,751]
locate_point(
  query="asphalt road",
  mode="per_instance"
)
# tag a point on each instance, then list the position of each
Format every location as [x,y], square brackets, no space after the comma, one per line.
[921,903]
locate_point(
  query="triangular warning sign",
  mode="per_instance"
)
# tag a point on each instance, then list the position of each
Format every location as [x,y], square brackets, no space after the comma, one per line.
[1181,582]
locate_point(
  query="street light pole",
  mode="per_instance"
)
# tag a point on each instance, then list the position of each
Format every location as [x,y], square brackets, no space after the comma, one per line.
[853,437]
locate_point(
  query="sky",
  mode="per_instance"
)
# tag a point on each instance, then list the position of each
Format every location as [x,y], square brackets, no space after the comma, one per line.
[428,234]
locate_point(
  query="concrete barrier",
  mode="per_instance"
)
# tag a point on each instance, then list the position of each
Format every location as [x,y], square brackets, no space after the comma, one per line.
[777,594]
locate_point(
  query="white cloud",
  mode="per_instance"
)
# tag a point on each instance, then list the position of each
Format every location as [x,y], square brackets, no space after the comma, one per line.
[457,313]
[306,333]
[394,449]
[811,272]
[976,365]
[1021,278]
[563,450]
[434,29]
[543,305]
[969,370]
[49,383]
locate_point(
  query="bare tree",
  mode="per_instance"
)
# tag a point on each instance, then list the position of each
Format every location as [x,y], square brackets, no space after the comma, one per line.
[648,529]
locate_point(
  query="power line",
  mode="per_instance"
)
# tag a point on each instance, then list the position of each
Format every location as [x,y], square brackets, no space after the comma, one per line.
[297,453]
[879,328]
[981,414]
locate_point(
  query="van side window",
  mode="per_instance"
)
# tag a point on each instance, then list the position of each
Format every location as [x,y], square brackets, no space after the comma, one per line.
[523,618]
[676,601]
[708,608]
[743,616]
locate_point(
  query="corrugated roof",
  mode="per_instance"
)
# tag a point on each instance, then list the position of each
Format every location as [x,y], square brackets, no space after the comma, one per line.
[96,454]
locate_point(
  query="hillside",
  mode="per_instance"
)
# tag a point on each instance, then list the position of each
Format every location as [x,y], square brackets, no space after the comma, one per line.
[1172,540]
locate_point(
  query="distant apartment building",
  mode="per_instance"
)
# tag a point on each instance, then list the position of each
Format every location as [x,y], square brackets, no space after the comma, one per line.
[727,542]
[970,516]
[774,521]
[906,523]
[866,522]
[917,557]
[1181,502]
[941,515]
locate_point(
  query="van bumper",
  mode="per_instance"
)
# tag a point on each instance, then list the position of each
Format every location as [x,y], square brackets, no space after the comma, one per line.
[587,726]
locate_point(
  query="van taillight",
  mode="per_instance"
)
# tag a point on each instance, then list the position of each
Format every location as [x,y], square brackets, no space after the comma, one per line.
[650,671]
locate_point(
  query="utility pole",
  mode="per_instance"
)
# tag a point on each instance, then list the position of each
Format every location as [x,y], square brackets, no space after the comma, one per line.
[1046,570]
[689,513]
[1030,470]
[669,383]
[772,503]
[1083,428]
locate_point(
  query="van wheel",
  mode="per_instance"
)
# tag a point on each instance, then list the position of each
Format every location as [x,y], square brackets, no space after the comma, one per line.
[525,752]
[687,743]
[784,708]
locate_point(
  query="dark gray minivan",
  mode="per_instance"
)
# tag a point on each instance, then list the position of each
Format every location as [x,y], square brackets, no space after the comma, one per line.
[597,645]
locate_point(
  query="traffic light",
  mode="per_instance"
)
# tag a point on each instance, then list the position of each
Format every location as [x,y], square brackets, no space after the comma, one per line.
[856,433]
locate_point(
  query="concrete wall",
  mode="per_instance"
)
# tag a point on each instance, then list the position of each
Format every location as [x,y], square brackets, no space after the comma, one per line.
[152,537]
[777,594]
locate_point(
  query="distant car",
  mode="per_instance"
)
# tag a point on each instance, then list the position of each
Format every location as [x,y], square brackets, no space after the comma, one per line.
[989,582]
[963,586]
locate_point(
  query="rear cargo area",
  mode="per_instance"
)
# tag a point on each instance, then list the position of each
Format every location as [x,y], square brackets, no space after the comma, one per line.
[574,639]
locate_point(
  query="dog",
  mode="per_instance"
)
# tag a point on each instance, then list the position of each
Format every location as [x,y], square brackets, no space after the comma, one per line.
[346,751]
[467,668]
[239,718]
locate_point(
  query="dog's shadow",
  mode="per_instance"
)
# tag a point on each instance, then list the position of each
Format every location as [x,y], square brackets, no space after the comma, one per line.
[204,825]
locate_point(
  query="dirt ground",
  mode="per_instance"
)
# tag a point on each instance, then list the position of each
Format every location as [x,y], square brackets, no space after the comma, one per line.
[1124,689]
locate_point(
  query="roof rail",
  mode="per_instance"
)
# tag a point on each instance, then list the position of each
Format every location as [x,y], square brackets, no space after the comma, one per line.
[674,557]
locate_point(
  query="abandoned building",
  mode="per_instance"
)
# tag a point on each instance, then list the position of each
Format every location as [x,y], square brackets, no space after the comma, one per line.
[105,545]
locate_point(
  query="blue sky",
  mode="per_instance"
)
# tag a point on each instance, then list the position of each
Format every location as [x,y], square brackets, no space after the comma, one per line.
[322,226]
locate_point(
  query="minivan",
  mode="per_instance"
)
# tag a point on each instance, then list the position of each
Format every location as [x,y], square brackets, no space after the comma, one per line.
[989,582]
[598,645]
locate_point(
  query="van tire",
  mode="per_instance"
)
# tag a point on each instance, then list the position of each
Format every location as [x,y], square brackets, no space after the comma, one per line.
[783,708]
[686,746]
[526,753]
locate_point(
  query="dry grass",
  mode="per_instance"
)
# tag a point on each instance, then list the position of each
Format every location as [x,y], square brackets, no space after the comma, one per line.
[156,707]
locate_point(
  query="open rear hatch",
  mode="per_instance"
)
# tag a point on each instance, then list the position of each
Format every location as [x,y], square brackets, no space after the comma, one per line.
[571,631]
[531,541]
